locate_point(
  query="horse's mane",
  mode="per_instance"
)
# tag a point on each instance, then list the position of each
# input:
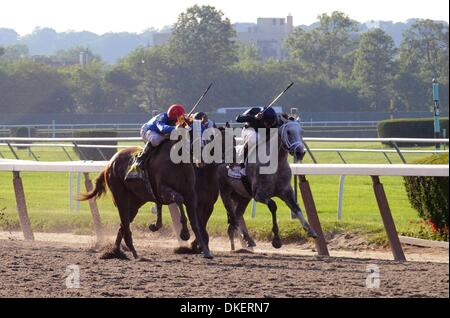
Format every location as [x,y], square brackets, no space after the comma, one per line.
[284,118]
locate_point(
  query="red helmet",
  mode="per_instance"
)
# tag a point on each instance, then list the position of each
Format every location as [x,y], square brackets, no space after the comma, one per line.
[175,111]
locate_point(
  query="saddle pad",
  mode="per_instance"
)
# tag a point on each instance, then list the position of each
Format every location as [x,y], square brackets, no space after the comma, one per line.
[139,176]
[236,173]
[232,173]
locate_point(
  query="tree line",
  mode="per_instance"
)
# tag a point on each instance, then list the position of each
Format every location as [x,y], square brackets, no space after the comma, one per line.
[335,68]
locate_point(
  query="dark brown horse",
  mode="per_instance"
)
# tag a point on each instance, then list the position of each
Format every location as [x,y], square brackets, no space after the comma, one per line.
[171,183]
[207,189]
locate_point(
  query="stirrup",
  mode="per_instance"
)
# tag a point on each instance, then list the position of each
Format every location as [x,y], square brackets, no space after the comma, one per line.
[239,169]
[236,171]
[134,172]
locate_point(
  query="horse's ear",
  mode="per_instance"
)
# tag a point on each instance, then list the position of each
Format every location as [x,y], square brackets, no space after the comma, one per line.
[283,118]
[227,125]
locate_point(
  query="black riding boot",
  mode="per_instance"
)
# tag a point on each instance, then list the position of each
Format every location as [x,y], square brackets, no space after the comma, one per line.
[135,171]
[140,159]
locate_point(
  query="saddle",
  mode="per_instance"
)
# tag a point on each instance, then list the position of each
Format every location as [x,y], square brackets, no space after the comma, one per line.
[135,173]
[239,172]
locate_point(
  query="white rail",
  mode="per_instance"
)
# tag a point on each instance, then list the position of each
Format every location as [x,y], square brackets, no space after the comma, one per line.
[376,150]
[62,145]
[315,139]
[33,139]
[57,166]
[385,140]
[371,170]
[297,169]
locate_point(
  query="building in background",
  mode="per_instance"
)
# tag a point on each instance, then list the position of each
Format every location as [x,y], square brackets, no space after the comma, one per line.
[267,36]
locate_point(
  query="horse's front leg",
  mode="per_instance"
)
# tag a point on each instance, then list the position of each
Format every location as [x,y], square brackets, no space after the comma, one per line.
[289,198]
[179,219]
[156,226]
[263,198]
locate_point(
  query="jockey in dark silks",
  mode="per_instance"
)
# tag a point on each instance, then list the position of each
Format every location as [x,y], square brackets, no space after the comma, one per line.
[255,118]
[205,121]
[256,122]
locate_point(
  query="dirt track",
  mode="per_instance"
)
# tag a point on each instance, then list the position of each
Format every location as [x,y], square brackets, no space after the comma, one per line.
[38,269]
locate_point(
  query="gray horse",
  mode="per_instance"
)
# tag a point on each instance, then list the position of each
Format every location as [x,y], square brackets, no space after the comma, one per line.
[263,187]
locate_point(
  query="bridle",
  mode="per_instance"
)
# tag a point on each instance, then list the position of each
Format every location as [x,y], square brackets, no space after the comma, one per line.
[286,143]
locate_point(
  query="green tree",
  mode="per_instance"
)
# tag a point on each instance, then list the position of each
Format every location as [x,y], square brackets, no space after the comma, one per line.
[28,87]
[248,53]
[203,38]
[72,56]
[425,49]
[14,52]
[303,47]
[88,88]
[203,46]
[423,56]
[120,85]
[374,68]
[154,73]
[335,41]
[324,50]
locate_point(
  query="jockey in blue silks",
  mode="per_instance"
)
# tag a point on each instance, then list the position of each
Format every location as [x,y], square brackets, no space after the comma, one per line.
[154,132]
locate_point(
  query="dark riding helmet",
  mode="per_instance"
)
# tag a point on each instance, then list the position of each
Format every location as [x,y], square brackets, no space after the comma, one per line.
[201,116]
[270,116]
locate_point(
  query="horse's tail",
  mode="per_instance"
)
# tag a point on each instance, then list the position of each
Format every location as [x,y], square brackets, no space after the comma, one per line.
[98,191]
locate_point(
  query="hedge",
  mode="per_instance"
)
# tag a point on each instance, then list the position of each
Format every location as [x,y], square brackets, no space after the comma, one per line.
[409,128]
[23,132]
[429,197]
[94,153]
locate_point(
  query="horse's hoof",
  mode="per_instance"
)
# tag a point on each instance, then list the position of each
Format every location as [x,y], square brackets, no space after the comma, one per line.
[195,248]
[276,243]
[251,243]
[312,233]
[208,255]
[153,227]
[309,231]
[184,235]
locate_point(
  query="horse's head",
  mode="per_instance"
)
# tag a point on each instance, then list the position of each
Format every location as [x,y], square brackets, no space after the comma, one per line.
[291,135]
[199,122]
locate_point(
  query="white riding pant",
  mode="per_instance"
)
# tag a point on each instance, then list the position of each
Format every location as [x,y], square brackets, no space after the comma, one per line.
[153,137]
[250,136]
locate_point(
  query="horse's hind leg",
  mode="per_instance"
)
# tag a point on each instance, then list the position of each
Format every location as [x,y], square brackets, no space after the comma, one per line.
[127,215]
[230,207]
[184,233]
[156,226]
[276,242]
[239,213]
[289,198]
[118,240]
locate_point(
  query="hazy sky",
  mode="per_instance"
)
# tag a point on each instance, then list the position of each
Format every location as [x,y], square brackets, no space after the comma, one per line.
[102,16]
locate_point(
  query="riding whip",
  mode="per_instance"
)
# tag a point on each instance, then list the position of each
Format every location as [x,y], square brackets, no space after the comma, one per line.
[277,98]
[199,100]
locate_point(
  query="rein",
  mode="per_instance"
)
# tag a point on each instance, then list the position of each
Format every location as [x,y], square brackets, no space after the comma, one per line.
[286,143]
